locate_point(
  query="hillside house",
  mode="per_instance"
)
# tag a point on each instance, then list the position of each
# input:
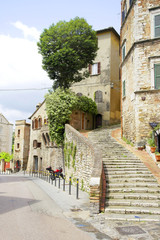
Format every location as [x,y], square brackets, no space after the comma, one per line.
[103,84]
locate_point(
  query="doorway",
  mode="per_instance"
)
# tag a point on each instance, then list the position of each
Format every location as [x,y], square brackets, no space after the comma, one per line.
[98,120]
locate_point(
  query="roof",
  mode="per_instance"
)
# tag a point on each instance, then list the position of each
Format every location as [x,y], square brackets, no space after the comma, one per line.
[37,109]
[110,29]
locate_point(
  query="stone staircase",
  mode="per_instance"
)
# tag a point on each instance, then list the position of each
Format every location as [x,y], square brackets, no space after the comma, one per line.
[132,191]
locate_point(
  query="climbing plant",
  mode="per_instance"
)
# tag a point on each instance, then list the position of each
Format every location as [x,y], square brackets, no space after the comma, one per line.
[59,106]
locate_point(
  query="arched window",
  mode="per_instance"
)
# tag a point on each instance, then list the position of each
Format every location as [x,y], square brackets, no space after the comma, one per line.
[79,94]
[98,96]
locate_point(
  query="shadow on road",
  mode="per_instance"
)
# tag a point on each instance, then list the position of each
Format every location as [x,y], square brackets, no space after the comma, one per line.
[8,204]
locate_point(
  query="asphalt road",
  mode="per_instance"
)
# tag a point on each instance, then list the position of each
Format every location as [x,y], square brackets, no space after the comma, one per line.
[28,213]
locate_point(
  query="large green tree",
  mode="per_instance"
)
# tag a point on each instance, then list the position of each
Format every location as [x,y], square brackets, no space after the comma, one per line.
[66,49]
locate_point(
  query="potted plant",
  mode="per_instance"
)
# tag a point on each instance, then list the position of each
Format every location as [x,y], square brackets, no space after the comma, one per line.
[151,143]
[157,155]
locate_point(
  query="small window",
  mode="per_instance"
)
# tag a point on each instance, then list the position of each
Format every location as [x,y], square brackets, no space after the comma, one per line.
[18,145]
[39,122]
[79,94]
[157,76]
[123,51]
[44,138]
[48,138]
[157,26]
[36,123]
[38,145]
[45,121]
[35,143]
[18,133]
[95,69]
[98,96]
[124,88]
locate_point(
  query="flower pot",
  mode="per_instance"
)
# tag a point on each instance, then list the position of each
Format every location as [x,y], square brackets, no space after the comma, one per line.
[153,149]
[158,157]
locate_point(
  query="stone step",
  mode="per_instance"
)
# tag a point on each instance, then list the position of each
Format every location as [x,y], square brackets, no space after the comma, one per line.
[132,180]
[127,166]
[126,171]
[133,203]
[132,217]
[133,190]
[132,210]
[133,185]
[133,196]
[127,158]
[129,176]
[123,163]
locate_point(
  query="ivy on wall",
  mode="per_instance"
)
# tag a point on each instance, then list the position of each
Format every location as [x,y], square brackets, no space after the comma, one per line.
[70,155]
[60,105]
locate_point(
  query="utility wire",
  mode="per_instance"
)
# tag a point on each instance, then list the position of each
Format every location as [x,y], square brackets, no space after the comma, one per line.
[23,89]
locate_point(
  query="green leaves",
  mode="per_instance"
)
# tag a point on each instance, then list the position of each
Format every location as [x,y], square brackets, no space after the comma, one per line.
[60,105]
[66,49]
[6,156]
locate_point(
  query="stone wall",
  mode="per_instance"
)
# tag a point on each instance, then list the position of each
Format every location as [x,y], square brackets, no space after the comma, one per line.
[83,161]
[140,105]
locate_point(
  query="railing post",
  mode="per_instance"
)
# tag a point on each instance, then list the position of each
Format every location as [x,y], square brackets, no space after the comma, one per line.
[77,192]
[69,185]
[64,183]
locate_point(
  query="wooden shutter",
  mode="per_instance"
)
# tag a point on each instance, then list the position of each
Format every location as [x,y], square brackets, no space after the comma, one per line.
[99,67]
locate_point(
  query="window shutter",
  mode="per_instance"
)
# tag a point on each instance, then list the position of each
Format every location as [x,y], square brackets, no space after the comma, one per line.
[99,67]
[157,25]
[124,88]
[123,16]
[90,69]
[157,76]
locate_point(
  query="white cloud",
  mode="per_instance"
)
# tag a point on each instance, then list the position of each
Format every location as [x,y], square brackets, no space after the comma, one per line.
[27,31]
[13,114]
[21,64]
[21,68]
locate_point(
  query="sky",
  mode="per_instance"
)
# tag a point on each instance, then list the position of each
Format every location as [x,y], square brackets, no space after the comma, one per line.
[23,82]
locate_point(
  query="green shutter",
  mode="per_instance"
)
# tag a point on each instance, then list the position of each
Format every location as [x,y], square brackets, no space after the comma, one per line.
[157,76]
[157,25]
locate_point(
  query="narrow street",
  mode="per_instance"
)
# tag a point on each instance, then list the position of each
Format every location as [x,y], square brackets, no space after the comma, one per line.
[28,213]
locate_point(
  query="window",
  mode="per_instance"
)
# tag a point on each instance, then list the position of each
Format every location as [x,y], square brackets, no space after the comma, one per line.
[157,26]
[95,69]
[124,88]
[98,96]
[18,145]
[123,51]
[39,122]
[18,133]
[35,143]
[32,124]
[157,76]
[38,145]
[155,23]
[124,12]
[130,2]
[79,94]
[44,138]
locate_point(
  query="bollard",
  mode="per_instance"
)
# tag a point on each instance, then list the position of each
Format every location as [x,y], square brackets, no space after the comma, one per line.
[32,173]
[52,181]
[59,182]
[24,172]
[49,177]
[69,185]
[64,183]
[77,192]
[55,180]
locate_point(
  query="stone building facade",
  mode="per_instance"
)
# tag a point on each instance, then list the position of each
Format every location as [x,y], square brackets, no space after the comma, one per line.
[21,145]
[140,68]
[103,84]
[6,132]
[42,153]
